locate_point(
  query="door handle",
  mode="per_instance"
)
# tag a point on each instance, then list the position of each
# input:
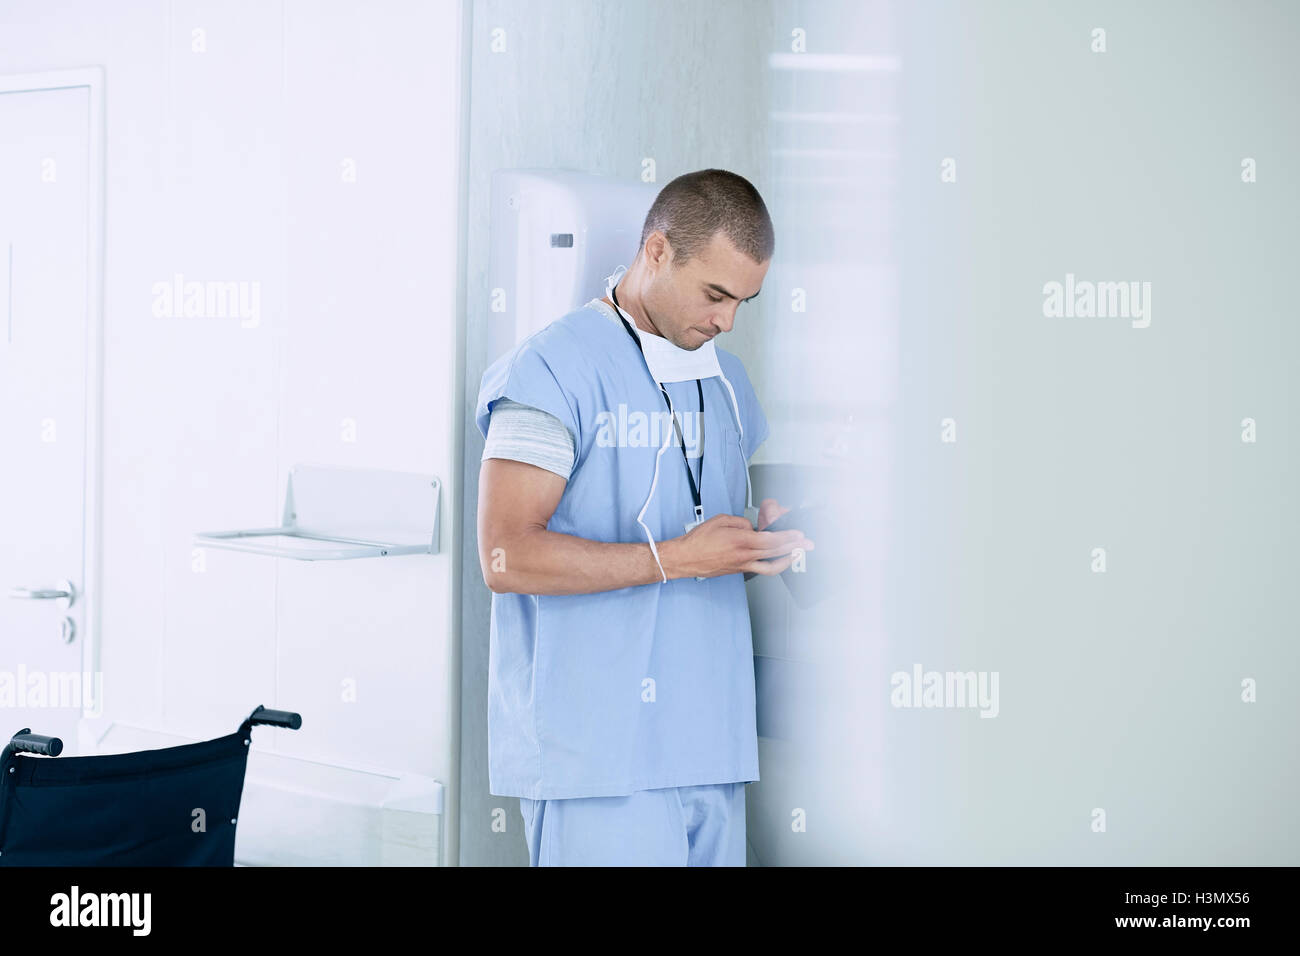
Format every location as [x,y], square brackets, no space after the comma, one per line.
[65,591]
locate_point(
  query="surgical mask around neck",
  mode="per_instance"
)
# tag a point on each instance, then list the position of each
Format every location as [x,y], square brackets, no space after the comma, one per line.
[668,362]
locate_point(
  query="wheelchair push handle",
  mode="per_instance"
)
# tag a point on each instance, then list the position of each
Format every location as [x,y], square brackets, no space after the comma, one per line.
[276,718]
[27,742]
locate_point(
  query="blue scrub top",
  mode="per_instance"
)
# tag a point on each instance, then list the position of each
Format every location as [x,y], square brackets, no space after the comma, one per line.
[643,687]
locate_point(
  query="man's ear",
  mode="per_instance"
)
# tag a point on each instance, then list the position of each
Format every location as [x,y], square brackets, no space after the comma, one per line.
[658,251]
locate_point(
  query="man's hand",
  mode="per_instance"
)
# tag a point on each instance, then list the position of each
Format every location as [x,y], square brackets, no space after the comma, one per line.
[727,544]
[769,511]
[519,554]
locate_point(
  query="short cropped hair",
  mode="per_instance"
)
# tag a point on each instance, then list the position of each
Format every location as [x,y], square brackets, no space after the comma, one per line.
[692,208]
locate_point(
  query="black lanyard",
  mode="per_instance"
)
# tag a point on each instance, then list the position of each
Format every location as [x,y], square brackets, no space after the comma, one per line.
[695,491]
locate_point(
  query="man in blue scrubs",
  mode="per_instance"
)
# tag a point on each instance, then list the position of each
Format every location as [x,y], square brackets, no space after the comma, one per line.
[615,536]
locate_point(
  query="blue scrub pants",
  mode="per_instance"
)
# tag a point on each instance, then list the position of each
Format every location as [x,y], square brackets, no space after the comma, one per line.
[676,826]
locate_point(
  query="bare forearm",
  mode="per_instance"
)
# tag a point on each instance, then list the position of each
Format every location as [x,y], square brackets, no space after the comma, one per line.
[539,561]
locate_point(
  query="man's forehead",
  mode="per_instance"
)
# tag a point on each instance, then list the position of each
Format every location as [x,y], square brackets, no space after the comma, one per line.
[729,272]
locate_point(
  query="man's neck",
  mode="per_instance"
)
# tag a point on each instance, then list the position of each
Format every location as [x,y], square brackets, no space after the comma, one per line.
[632,306]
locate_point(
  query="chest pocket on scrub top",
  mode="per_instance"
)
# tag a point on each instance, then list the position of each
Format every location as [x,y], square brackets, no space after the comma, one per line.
[733,469]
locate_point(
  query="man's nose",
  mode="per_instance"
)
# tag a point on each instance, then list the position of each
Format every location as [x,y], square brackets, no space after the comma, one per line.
[725,321]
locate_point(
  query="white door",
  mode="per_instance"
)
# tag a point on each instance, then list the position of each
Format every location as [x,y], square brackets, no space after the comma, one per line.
[45,162]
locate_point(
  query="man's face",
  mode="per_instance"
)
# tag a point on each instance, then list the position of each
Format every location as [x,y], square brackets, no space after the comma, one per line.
[691,303]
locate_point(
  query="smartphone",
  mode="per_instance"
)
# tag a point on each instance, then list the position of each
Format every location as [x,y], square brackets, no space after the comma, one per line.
[799,519]
[811,585]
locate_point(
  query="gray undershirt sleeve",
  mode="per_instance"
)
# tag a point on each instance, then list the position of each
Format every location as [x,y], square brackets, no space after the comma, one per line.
[527,434]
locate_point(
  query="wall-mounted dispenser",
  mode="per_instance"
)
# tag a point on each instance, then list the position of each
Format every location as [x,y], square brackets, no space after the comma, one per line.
[555,235]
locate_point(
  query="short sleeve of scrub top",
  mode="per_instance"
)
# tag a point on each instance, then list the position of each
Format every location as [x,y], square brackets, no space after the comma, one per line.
[526,379]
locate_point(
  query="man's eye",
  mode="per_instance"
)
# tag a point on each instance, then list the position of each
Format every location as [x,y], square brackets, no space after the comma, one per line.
[715,299]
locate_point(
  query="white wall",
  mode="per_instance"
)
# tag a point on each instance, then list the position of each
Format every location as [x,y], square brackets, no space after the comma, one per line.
[228,164]
[1119,690]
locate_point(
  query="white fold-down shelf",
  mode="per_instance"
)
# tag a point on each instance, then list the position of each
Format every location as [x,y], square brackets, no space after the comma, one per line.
[334,513]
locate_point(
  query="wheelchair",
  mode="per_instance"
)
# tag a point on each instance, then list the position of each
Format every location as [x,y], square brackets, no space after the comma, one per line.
[176,806]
